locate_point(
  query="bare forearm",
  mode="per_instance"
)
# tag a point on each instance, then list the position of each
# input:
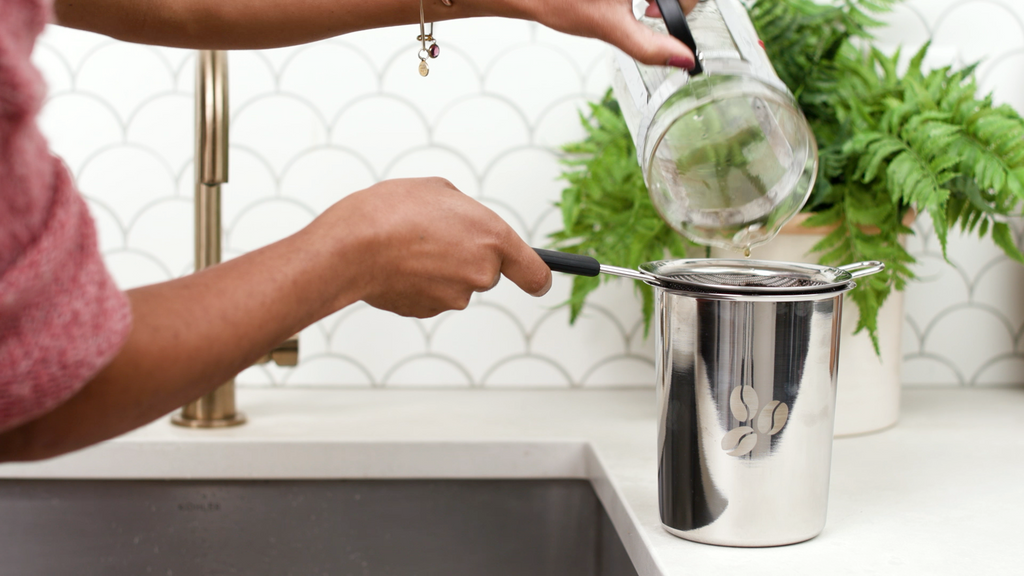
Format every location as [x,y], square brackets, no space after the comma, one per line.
[416,247]
[189,336]
[248,24]
[251,24]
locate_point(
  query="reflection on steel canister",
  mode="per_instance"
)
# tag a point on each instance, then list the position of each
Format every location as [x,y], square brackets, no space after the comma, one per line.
[746,391]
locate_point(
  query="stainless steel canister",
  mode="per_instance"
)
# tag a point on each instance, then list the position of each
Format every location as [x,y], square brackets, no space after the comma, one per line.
[748,355]
[746,396]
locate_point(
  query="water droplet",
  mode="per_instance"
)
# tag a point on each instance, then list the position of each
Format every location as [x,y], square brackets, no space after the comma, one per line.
[698,117]
[746,252]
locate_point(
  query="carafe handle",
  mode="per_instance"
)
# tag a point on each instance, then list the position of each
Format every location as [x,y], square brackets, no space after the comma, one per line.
[675,21]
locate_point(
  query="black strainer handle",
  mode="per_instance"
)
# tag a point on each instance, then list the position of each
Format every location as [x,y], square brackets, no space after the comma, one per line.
[865,268]
[570,263]
[587,266]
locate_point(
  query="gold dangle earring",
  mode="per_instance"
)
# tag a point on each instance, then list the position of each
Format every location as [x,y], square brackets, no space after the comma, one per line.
[432,51]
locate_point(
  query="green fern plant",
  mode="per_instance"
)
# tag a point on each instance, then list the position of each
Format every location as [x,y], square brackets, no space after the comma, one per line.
[888,142]
[605,208]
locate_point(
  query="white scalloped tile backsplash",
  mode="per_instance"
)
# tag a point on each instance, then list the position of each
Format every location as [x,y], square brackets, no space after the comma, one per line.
[311,124]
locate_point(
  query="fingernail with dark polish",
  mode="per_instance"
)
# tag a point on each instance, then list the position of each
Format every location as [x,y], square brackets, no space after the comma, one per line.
[680,62]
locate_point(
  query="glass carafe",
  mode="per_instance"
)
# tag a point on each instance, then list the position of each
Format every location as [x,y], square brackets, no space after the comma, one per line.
[726,154]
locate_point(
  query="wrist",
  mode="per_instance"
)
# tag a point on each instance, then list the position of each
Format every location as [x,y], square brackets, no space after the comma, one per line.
[341,242]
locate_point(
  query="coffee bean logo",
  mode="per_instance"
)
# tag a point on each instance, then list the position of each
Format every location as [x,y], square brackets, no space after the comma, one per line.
[772,418]
[739,440]
[743,403]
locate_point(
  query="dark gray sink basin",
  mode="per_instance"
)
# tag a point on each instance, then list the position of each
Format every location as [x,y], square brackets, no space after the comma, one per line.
[307,527]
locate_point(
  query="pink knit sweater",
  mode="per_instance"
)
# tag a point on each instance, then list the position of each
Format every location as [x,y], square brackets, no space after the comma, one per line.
[61,316]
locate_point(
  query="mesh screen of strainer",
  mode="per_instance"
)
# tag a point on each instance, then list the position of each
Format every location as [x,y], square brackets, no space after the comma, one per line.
[747,276]
[741,280]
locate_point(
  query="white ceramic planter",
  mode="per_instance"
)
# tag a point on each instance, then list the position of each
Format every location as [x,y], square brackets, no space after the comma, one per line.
[868,396]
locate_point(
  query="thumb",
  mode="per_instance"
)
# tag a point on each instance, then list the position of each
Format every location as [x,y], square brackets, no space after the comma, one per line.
[522,265]
[650,47]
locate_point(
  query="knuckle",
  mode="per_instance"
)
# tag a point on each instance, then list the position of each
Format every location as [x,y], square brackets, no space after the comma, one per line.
[429,309]
[481,281]
[442,182]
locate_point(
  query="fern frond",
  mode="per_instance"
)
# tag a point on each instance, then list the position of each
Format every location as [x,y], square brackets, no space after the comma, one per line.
[606,212]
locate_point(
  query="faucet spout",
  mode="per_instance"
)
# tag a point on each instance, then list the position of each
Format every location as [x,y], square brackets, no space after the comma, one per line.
[217,408]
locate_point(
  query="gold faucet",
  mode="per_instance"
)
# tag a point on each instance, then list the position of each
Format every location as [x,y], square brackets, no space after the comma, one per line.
[216,409]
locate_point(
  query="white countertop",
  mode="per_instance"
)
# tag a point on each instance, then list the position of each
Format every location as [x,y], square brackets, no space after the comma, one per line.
[942,493]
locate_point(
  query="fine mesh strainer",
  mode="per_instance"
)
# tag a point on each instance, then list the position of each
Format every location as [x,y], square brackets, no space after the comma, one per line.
[722,275]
